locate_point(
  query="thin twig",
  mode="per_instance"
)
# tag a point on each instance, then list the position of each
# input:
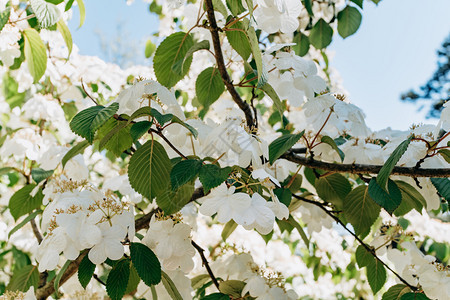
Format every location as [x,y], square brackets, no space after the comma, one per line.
[36,232]
[84,89]
[159,133]
[205,263]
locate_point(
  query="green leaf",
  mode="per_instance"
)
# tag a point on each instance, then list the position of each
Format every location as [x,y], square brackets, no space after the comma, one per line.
[300,230]
[216,296]
[414,296]
[142,112]
[172,49]
[184,171]
[284,195]
[232,288]
[81,123]
[358,2]
[411,199]
[212,176]
[333,188]
[389,200]
[308,6]
[171,202]
[193,131]
[178,66]
[442,185]
[23,279]
[68,5]
[4,17]
[228,229]
[239,40]
[39,174]
[85,271]
[149,169]
[363,257]
[220,7]
[445,153]
[146,263]
[321,34]
[349,20]
[35,53]
[22,203]
[302,41]
[65,32]
[116,136]
[160,118]
[46,13]
[24,222]
[395,292]
[138,129]
[256,51]
[133,281]
[327,140]
[270,91]
[199,281]
[60,274]
[235,7]
[82,10]
[117,280]
[360,210]
[75,150]
[209,86]
[390,163]
[103,116]
[149,48]
[170,287]
[376,275]
[279,146]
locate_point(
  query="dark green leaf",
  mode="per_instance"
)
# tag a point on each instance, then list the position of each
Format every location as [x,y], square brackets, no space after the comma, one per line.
[235,7]
[4,17]
[239,40]
[103,116]
[68,5]
[117,281]
[363,257]
[442,185]
[149,169]
[390,163]
[24,222]
[327,140]
[216,296]
[333,188]
[360,210]
[138,129]
[75,150]
[171,50]
[279,146]
[35,53]
[321,34]
[22,203]
[184,171]
[146,263]
[358,2]
[23,279]
[414,296]
[302,41]
[209,86]
[389,200]
[39,174]
[60,274]
[411,199]
[284,195]
[116,136]
[178,66]
[81,123]
[349,20]
[193,131]
[308,6]
[212,176]
[171,202]
[395,292]
[170,287]
[85,271]
[133,281]
[46,13]
[376,275]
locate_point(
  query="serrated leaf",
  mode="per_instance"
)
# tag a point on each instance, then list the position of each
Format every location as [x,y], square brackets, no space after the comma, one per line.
[35,53]
[47,13]
[232,288]
[117,280]
[390,199]
[395,292]
[171,50]
[149,48]
[376,275]
[23,279]
[81,123]
[184,171]
[321,34]
[349,20]
[328,140]
[138,129]
[178,66]
[65,32]
[302,44]
[212,176]
[85,271]
[75,150]
[228,229]
[170,287]
[133,281]
[220,7]
[390,163]
[445,153]
[270,91]
[39,174]
[209,86]
[24,222]
[411,199]
[82,10]
[22,203]
[235,6]
[116,136]
[103,116]
[333,188]
[60,274]
[279,146]
[363,257]
[360,210]
[149,169]
[256,51]
[160,118]
[146,263]
[442,185]
[239,40]
[4,17]
[171,202]
[414,296]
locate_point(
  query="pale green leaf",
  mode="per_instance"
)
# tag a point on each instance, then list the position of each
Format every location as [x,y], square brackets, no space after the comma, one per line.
[81,123]
[228,229]
[149,48]
[328,140]
[239,40]
[60,274]
[300,230]
[270,91]
[232,288]
[23,279]
[65,32]
[178,66]
[46,13]
[411,199]
[35,53]
[75,150]
[22,203]
[235,6]
[4,17]
[395,292]
[24,222]
[170,287]
[82,10]
[256,51]
[116,136]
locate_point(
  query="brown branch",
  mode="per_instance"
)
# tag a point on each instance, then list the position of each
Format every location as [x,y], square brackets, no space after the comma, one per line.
[206,264]
[362,168]
[360,241]
[221,65]
[36,232]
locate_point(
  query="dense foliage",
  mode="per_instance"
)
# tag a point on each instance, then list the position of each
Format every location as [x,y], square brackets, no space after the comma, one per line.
[233,168]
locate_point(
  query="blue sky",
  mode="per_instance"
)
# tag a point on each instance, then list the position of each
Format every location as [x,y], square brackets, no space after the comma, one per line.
[394,50]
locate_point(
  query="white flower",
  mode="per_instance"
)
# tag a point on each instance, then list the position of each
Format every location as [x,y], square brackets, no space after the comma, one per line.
[258,215]
[278,15]
[109,245]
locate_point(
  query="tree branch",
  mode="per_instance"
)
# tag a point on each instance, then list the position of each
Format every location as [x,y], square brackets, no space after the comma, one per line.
[221,65]
[205,263]
[362,168]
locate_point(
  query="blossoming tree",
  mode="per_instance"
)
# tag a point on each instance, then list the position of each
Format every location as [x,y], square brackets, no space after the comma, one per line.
[233,168]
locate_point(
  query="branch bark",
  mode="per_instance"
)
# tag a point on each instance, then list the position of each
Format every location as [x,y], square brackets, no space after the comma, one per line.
[362,168]
[214,29]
